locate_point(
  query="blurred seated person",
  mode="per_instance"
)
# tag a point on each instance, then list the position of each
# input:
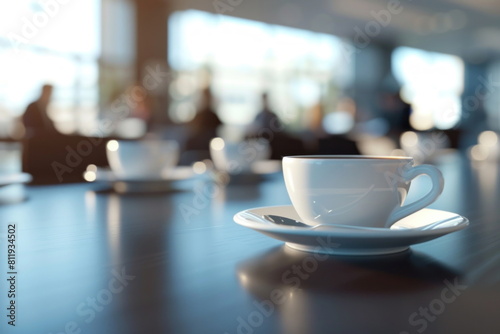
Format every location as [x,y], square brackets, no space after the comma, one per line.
[203,127]
[265,119]
[267,125]
[50,156]
[313,120]
[35,119]
[327,133]
[397,113]
[130,112]
[141,104]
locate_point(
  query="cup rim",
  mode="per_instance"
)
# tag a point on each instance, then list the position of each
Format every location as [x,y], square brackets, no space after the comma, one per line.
[350,158]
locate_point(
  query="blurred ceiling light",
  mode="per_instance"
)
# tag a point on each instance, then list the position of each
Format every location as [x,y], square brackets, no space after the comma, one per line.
[487,138]
[112,145]
[217,144]
[338,122]
[409,139]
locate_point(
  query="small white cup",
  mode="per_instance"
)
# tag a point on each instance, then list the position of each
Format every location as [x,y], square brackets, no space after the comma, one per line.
[143,159]
[364,191]
[236,158]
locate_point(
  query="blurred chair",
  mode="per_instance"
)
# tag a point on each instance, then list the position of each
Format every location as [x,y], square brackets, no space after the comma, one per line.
[56,158]
[337,145]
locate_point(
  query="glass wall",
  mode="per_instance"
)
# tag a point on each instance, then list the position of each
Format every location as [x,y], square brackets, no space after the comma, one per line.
[243,58]
[432,83]
[50,42]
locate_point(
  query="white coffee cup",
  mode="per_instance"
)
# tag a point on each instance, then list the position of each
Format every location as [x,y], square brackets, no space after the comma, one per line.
[142,159]
[238,157]
[355,190]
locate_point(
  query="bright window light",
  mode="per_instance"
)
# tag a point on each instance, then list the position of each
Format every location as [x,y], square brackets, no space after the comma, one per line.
[246,58]
[51,42]
[432,83]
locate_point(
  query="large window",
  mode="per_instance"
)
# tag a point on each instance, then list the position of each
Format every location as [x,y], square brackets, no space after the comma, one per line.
[432,83]
[50,42]
[244,58]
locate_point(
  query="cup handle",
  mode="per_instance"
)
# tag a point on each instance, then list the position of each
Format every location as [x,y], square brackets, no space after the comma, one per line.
[431,196]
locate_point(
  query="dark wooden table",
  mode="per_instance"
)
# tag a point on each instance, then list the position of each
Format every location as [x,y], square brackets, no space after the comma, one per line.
[92,261]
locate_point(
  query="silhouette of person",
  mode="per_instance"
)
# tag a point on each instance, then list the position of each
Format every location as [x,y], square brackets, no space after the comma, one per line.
[397,113]
[203,126]
[267,125]
[313,120]
[35,119]
[321,138]
[266,118]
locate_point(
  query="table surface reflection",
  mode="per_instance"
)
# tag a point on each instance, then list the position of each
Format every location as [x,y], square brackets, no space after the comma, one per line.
[93,261]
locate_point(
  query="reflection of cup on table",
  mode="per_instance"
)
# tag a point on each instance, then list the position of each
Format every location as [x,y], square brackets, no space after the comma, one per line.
[355,190]
[236,158]
[143,159]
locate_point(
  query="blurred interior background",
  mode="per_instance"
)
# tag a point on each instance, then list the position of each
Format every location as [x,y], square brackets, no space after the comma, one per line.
[384,74]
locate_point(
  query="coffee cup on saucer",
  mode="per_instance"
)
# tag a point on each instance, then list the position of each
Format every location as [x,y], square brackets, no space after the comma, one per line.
[142,159]
[238,157]
[367,191]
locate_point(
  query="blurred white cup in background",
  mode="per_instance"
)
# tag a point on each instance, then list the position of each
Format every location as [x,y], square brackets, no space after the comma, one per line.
[142,159]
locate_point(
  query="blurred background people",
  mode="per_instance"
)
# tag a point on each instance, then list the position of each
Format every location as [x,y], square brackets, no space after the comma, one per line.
[131,112]
[313,120]
[268,126]
[203,127]
[36,119]
[260,78]
[265,118]
[397,113]
[328,132]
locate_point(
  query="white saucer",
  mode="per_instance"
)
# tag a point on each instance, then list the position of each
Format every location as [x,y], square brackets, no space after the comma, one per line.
[257,172]
[14,178]
[99,174]
[144,183]
[352,241]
